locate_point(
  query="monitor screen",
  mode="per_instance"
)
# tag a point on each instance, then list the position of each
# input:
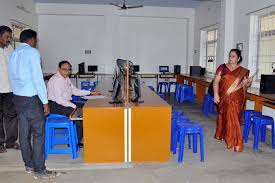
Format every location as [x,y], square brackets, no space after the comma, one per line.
[163,69]
[136,68]
[92,68]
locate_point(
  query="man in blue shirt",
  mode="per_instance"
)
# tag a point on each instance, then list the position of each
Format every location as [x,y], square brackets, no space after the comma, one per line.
[31,103]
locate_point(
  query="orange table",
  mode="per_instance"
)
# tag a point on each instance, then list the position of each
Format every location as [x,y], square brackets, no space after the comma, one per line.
[139,133]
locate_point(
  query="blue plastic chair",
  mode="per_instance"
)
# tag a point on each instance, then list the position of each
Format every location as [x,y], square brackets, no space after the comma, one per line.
[171,84]
[87,85]
[175,120]
[190,128]
[67,136]
[177,113]
[78,99]
[152,88]
[185,93]
[260,122]
[247,114]
[208,104]
[162,84]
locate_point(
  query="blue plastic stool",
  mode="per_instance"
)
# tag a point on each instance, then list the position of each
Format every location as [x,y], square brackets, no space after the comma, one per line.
[171,84]
[152,88]
[87,85]
[67,137]
[178,92]
[177,113]
[208,104]
[162,84]
[185,93]
[187,129]
[174,122]
[247,114]
[260,122]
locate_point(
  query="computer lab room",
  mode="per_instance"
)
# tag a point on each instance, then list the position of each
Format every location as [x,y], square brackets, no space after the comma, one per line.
[140,91]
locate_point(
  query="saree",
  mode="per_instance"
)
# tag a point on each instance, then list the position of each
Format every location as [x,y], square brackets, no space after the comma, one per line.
[232,100]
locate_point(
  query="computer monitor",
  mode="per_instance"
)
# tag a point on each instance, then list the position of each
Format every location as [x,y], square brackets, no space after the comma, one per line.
[163,69]
[81,68]
[136,68]
[92,68]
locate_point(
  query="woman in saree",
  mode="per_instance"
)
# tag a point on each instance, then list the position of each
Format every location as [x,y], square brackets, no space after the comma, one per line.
[230,84]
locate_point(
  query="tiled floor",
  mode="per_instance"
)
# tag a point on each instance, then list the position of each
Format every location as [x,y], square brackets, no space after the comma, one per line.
[220,166]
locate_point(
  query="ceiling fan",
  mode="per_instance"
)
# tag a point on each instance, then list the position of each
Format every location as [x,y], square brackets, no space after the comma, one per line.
[125,7]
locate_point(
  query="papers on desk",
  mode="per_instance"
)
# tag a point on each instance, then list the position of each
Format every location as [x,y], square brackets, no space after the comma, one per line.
[94,97]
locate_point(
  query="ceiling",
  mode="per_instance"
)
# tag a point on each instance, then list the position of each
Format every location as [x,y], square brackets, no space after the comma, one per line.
[159,3]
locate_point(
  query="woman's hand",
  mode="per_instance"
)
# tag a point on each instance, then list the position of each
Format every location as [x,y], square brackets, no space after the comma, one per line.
[216,99]
[247,81]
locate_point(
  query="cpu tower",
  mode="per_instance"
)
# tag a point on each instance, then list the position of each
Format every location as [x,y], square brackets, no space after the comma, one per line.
[176,69]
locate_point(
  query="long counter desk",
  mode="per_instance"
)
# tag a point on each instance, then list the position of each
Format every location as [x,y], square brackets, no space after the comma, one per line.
[252,94]
[138,133]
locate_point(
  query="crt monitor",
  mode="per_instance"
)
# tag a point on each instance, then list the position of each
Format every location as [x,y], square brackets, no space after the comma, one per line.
[163,68]
[136,68]
[92,68]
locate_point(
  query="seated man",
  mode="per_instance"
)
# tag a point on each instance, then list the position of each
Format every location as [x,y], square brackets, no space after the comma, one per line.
[60,91]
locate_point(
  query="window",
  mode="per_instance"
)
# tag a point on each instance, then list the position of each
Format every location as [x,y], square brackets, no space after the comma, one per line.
[266,44]
[208,50]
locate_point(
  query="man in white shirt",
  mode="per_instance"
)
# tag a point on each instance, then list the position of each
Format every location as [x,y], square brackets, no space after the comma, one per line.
[8,120]
[60,91]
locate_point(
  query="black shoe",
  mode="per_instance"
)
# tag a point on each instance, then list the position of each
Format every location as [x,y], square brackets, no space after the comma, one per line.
[80,145]
[46,174]
[13,146]
[3,149]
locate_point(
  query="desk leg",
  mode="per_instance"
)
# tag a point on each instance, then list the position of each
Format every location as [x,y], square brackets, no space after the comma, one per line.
[200,89]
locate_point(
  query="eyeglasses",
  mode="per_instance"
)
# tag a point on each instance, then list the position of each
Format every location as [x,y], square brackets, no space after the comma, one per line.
[66,70]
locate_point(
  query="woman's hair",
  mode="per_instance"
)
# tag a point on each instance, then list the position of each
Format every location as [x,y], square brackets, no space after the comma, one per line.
[238,53]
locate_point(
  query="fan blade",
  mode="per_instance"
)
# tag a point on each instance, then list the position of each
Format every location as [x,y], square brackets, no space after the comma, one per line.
[115,5]
[138,6]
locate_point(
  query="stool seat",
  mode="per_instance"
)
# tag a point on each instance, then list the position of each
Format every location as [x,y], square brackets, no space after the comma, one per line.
[247,114]
[67,136]
[189,128]
[175,120]
[177,113]
[259,123]
[208,104]
[184,93]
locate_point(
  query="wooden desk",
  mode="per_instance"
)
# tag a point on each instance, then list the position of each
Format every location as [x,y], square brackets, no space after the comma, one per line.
[203,82]
[146,139]
[260,98]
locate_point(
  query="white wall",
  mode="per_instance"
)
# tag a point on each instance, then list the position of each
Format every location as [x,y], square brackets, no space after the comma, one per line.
[210,13]
[207,16]
[9,13]
[147,36]
[242,24]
